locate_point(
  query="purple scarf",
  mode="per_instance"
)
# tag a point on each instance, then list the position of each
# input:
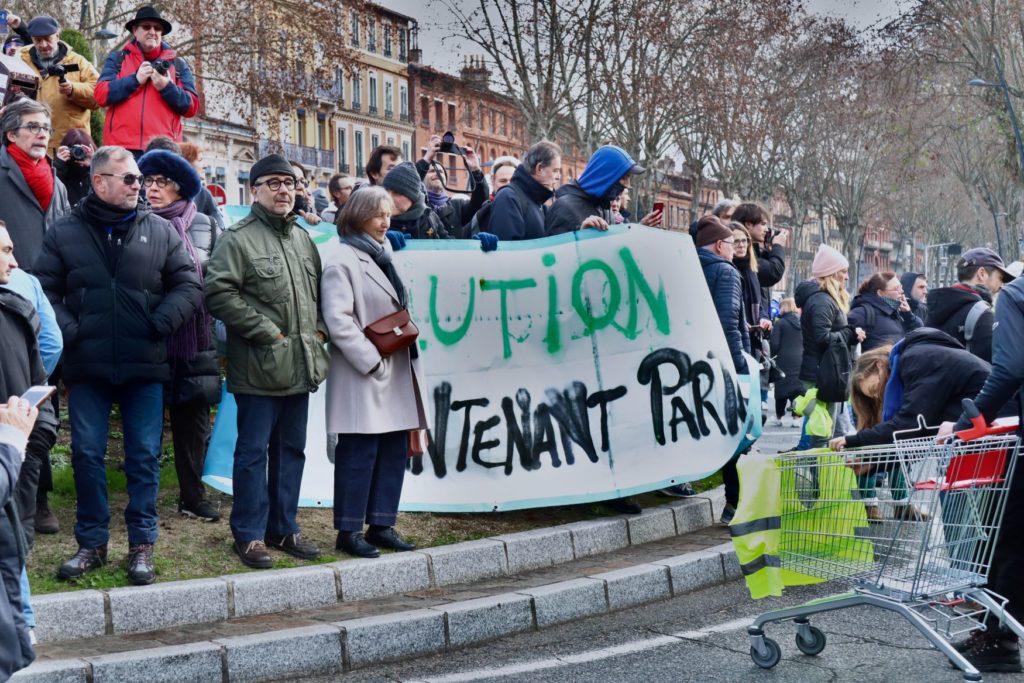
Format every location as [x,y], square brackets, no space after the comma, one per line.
[194,335]
[436,199]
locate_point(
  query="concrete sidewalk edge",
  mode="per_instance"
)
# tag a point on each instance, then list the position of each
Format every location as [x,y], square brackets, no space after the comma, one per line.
[90,613]
[352,644]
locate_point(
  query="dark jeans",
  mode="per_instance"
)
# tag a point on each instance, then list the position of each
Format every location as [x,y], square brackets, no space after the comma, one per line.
[368,474]
[190,431]
[269,459]
[142,411]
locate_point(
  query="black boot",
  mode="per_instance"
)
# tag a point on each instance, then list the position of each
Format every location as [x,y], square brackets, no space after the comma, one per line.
[353,543]
[387,537]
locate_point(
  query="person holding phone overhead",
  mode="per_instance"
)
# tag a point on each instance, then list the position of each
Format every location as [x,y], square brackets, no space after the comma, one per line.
[375,399]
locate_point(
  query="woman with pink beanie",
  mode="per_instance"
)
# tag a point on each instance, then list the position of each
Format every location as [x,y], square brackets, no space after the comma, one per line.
[825,302]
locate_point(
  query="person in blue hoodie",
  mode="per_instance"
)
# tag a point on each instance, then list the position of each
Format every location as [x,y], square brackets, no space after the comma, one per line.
[586,201]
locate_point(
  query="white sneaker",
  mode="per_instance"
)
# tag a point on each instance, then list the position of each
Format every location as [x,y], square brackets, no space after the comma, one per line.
[777,422]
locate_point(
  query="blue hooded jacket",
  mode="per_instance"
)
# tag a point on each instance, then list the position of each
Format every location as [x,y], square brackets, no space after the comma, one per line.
[604,169]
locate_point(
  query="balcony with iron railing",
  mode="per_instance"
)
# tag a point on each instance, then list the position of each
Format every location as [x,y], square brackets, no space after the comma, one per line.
[389,114]
[343,168]
[307,156]
[372,109]
[357,106]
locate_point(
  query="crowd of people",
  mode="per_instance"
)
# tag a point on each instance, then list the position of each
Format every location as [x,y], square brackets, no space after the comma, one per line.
[120,281]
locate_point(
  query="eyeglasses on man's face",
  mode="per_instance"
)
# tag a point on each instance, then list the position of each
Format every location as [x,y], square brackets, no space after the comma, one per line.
[126,178]
[275,184]
[37,128]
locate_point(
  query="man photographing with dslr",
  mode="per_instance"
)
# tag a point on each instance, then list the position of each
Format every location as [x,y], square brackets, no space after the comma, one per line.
[146,87]
[67,80]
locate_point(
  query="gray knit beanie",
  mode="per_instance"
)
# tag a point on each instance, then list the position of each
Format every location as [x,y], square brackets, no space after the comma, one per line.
[405,180]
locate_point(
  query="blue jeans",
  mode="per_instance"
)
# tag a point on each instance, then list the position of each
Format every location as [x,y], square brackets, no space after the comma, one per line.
[142,411]
[368,474]
[269,459]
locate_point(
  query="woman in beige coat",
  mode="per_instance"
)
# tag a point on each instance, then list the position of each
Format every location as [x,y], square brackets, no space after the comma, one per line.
[373,402]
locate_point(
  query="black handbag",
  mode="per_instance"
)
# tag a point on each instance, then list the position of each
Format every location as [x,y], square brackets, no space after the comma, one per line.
[833,378]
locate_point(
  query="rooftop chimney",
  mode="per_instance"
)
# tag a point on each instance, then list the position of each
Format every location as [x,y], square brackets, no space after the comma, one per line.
[475,73]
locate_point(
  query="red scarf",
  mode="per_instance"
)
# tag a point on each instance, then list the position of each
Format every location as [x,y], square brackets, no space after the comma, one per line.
[38,175]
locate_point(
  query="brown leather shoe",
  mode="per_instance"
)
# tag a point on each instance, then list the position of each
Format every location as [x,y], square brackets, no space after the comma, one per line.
[85,560]
[254,554]
[45,521]
[295,545]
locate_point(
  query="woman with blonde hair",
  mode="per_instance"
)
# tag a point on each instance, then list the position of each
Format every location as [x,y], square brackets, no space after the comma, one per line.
[823,323]
[374,400]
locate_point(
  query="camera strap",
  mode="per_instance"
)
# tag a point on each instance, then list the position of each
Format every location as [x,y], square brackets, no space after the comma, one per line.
[441,172]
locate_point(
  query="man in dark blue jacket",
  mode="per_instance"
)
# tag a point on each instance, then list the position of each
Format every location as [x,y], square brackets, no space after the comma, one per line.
[715,250]
[996,648]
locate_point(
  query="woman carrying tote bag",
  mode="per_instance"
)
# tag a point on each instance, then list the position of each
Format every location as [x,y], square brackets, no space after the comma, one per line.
[374,400]
[827,336]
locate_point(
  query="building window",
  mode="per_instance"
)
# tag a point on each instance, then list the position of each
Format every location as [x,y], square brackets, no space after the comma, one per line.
[342,147]
[451,116]
[493,116]
[480,111]
[371,35]
[339,83]
[373,93]
[438,116]
[357,93]
[389,110]
[405,149]
[374,141]
[301,128]
[387,40]
[504,123]
[403,101]
[321,134]
[354,29]
[403,52]
[391,140]
[425,110]
[359,153]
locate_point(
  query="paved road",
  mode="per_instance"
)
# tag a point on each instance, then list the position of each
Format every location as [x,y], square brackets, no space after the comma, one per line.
[699,637]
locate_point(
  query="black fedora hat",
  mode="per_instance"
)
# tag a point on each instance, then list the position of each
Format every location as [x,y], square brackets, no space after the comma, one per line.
[148,12]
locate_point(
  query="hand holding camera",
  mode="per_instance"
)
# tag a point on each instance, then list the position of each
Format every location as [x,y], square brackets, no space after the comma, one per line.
[144,73]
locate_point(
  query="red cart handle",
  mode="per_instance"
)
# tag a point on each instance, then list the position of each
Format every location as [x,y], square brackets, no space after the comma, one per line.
[978,427]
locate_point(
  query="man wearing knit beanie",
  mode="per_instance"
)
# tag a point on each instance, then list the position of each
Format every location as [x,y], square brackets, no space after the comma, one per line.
[412,217]
[828,261]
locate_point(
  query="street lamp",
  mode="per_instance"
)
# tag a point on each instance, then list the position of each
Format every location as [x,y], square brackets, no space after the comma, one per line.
[1002,85]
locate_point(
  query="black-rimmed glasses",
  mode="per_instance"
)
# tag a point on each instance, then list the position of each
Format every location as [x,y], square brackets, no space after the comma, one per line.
[275,184]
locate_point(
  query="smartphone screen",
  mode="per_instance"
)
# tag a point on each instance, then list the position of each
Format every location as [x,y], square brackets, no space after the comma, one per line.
[659,206]
[37,394]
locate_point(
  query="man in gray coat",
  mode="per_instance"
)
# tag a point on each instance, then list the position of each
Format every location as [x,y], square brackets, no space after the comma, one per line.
[34,198]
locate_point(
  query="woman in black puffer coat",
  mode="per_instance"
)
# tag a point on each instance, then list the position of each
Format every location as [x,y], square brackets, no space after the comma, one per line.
[787,348]
[881,309]
[825,302]
[171,186]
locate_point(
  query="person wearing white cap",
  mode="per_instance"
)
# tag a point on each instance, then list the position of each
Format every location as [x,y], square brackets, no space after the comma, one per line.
[825,302]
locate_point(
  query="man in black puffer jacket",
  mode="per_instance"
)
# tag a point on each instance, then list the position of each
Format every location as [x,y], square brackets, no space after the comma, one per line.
[120,281]
[949,307]
[715,250]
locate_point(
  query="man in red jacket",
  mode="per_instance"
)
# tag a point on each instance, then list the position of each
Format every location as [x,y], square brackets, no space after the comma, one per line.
[146,87]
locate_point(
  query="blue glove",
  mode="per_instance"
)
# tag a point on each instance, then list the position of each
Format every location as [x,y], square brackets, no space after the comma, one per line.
[396,238]
[488,241]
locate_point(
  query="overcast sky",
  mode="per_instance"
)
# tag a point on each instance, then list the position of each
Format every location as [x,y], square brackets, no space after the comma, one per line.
[432,17]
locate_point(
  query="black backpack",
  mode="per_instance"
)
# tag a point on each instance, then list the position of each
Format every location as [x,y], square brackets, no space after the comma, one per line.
[482,219]
[833,377]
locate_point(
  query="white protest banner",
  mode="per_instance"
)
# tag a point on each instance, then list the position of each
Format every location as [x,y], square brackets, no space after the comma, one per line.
[563,370]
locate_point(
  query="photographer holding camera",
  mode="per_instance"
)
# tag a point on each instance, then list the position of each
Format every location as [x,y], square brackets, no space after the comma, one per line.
[455,212]
[146,87]
[769,246]
[72,163]
[67,80]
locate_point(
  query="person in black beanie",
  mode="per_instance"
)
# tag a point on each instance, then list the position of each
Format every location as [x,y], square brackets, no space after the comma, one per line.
[121,282]
[412,218]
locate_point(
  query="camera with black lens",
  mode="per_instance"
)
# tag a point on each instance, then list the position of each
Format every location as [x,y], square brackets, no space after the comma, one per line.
[448,145]
[79,152]
[60,71]
[161,66]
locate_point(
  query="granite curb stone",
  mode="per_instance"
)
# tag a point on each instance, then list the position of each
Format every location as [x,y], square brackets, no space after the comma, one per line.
[654,524]
[199,662]
[598,536]
[561,602]
[372,640]
[474,621]
[694,570]
[537,549]
[466,562]
[60,671]
[69,616]
[266,592]
[636,585]
[309,650]
[148,608]
[692,514]
[390,574]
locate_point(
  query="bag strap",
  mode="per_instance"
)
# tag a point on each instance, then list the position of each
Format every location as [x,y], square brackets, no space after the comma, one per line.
[973,316]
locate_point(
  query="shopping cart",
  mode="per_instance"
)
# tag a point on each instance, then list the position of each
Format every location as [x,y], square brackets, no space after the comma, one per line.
[925,556]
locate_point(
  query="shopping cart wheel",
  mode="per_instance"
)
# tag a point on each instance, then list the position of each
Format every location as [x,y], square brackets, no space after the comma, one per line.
[771,658]
[813,646]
